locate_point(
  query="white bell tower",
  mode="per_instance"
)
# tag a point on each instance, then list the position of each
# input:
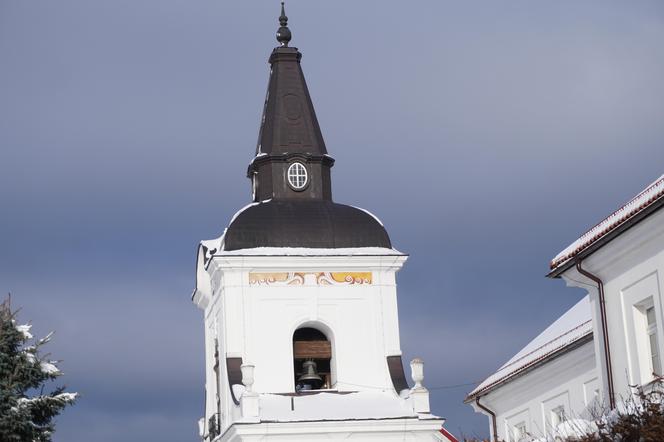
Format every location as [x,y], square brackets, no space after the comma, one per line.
[300,300]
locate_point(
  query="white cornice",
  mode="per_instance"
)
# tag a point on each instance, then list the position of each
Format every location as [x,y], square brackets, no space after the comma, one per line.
[300,430]
[308,262]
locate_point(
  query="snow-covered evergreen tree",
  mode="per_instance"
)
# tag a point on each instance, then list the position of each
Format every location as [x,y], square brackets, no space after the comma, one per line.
[26,411]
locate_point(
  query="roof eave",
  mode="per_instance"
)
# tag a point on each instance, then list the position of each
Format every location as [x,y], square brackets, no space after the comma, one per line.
[553,355]
[601,242]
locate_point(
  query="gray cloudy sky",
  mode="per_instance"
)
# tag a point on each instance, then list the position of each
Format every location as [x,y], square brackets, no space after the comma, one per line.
[486,135]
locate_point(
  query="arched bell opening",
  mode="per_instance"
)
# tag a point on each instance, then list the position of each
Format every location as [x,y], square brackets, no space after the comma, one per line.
[312,356]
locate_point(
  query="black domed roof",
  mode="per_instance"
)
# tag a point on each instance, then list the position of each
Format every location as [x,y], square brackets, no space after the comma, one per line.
[311,224]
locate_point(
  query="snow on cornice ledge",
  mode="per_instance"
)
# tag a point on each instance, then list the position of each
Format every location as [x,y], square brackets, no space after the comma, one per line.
[305,251]
[636,205]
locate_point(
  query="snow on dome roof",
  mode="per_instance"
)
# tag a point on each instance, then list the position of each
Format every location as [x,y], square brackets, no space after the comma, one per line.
[317,224]
[646,198]
[572,326]
[305,251]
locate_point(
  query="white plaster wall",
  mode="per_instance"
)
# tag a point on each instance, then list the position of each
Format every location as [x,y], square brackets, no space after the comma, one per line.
[639,282]
[351,317]
[529,398]
[256,322]
[631,268]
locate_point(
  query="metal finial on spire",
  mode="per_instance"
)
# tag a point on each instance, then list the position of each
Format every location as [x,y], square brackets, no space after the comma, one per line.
[283,33]
[283,20]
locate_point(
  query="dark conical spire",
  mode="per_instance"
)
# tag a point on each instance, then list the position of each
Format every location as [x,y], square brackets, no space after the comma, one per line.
[291,173]
[289,130]
[283,33]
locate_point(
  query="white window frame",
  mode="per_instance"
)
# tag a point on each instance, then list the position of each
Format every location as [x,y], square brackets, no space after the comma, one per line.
[514,421]
[294,173]
[549,409]
[637,298]
[592,393]
[558,415]
[520,431]
[651,331]
[643,333]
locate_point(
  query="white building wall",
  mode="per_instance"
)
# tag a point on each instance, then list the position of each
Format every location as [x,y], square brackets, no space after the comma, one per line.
[256,320]
[259,322]
[569,380]
[626,296]
[632,270]
[631,267]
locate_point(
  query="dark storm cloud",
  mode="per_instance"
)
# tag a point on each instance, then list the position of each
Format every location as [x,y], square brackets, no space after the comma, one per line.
[486,136]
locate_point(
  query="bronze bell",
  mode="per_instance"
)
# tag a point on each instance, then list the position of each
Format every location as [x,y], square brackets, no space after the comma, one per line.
[310,376]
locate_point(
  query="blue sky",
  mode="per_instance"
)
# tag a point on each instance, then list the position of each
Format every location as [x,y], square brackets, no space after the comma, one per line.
[486,135]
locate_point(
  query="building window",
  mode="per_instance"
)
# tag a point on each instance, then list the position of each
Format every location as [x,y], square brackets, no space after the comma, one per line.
[651,330]
[554,411]
[297,176]
[558,416]
[591,393]
[519,432]
[645,332]
[312,356]
[641,302]
[516,429]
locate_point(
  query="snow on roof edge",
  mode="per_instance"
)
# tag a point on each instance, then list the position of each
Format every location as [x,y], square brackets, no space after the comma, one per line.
[370,214]
[648,196]
[571,327]
[511,375]
[307,251]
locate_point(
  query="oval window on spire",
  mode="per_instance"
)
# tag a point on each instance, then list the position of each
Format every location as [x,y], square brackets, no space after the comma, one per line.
[297,176]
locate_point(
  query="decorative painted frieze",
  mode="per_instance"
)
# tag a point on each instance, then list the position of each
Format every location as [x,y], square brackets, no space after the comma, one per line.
[310,278]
